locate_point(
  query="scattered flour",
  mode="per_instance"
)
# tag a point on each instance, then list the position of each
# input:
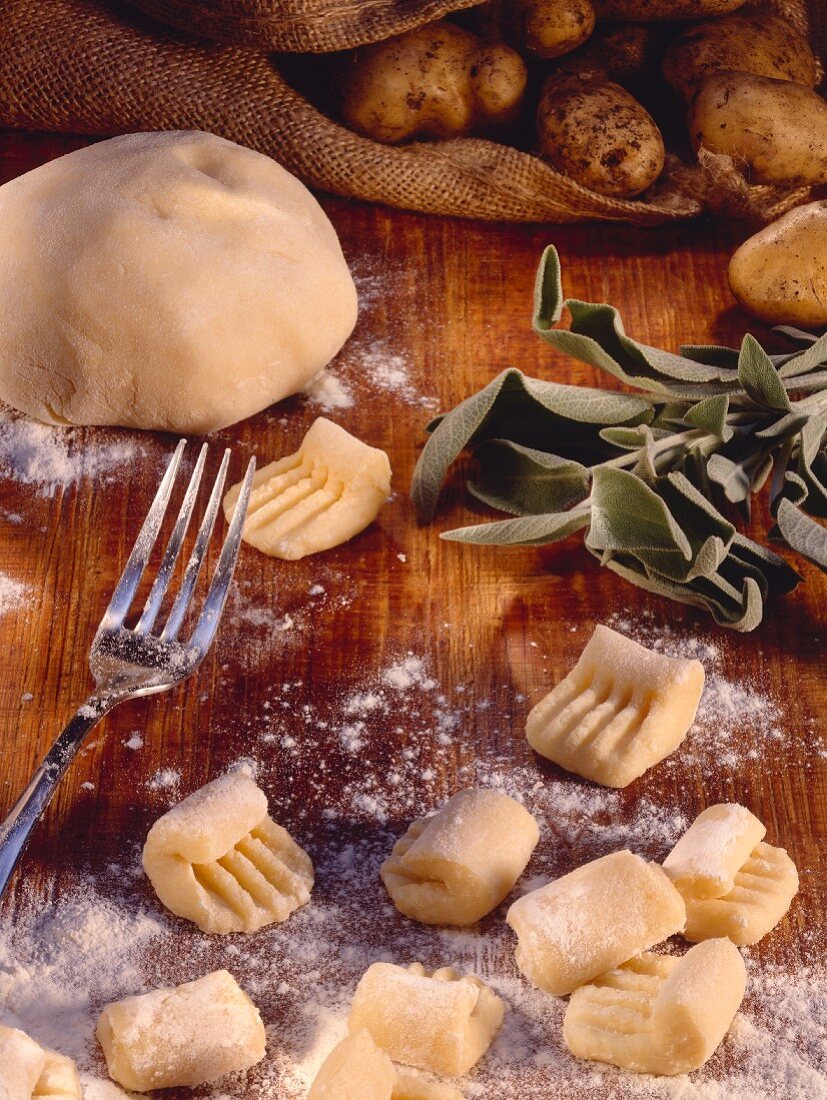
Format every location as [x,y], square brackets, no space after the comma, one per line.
[13,594]
[104,935]
[165,779]
[54,458]
[328,391]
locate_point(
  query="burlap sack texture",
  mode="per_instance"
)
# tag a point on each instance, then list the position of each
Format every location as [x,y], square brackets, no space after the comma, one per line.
[83,66]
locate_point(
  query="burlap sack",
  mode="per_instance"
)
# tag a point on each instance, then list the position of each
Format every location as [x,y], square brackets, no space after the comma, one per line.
[80,66]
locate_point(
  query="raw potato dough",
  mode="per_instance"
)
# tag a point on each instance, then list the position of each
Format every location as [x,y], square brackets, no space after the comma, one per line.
[59,1079]
[172,281]
[621,710]
[21,1064]
[189,1035]
[439,1022]
[733,884]
[218,860]
[713,849]
[780,274]
[357,1069]
[593,919]
[317,498]
[658,1013]
[748,42]
[457,865]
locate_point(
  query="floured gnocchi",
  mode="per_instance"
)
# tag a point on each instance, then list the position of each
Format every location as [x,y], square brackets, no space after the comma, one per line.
[622,709]
[593,919]
[59,1079]
[458,864]
[357,1069]
[189,1035]
[733,884]
[317,498]
[438,1021]
[218,860]
[29,1071]
[658,1013]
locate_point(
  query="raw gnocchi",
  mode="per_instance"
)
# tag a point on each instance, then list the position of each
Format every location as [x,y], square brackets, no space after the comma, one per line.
[59,1079]
[707,857]
[732,883]
[218,860]
[357,1069]
[28,1071]
[658,1013]
[21,1064]
[189,1035]
[621,709]
[458,864]
[438,1021]
[593,919]
[317,498]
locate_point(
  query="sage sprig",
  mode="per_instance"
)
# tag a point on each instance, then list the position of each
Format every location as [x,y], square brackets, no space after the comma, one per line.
[649,477]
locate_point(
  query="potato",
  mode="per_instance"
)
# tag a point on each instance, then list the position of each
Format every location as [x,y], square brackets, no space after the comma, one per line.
[438,81]
[747,42]
[626,52]
[642,11]
[780,274]
[594,131]
[551,28]
[775,131]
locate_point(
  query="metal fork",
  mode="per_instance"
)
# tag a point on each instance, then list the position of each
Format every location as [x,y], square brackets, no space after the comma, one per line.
[127,663]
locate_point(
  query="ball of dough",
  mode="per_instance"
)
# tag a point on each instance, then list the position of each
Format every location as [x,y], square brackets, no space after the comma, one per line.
[170,281]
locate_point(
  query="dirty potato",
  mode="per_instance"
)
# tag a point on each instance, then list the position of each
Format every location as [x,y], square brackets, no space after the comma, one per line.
[748,42]
[626,52]
[551,28]
[594,131]
[780,274]
[438,81]
[775,131]
[646,10]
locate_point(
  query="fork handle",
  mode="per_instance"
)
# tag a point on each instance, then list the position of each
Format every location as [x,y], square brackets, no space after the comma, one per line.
[28,809]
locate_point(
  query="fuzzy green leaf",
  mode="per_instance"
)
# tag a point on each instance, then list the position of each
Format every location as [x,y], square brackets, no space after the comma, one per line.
[524,531]
[525,481]
[710,415]
[803,534]
[759,377]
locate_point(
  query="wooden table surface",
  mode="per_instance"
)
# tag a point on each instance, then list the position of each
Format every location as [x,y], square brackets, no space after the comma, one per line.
[446,304]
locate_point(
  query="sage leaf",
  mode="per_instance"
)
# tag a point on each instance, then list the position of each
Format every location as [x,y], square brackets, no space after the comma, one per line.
[759,377]
[525,481]
[524,531]
[629,516]
[710,414]
[732,477]
[803,534]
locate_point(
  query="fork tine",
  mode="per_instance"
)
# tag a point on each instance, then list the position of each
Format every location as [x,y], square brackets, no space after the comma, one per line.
[126,587]
[220,585]
[199,552]
[173,549]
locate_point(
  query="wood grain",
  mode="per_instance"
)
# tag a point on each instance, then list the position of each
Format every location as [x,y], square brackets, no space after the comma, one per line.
[453,299]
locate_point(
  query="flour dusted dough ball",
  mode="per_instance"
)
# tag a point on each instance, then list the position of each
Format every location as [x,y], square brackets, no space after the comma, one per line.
[173,281]
[438,1021]
[188,1035]
[713,849]
[658,1013]
[219,860]
[458,864]
[356,1069]
[593,919]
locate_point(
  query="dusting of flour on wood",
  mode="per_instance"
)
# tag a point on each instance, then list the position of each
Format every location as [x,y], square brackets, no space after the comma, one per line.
[103,934]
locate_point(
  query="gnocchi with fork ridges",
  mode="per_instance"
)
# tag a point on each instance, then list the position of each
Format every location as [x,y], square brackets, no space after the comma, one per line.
[219,860]
[457,865]
[317,498]
[621,710]
[658,1013]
